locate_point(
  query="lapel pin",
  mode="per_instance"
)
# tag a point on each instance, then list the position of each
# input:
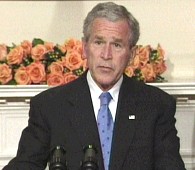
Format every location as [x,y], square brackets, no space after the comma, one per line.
[131,117]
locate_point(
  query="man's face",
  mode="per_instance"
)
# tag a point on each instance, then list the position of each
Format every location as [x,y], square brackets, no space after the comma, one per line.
[107,51]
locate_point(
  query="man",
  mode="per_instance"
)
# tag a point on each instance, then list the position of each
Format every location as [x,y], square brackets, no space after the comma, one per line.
[144,135]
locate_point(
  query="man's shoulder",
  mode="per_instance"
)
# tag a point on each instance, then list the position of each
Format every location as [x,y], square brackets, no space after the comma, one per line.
[60,92]
[145,89]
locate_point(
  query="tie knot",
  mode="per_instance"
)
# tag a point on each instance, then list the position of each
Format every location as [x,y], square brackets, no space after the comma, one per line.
[105,98]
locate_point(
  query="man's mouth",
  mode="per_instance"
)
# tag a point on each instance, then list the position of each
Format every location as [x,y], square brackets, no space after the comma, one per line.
[105,68]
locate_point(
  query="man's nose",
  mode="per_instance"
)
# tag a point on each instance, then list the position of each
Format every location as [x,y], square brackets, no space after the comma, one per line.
[107,52]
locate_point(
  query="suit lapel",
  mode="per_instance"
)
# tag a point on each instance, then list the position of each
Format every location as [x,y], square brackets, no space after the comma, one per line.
[83,119]
[125,124]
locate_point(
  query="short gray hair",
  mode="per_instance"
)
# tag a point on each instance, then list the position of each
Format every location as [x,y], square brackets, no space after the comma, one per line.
[112,12]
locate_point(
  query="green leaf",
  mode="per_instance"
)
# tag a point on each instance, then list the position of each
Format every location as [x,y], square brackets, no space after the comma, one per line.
[153,55]
[27,61]
[12,82]
[79,71]
[37,41]
[160,79]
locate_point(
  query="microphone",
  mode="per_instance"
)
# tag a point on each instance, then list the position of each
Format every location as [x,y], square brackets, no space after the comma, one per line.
[58,159]
[90,161]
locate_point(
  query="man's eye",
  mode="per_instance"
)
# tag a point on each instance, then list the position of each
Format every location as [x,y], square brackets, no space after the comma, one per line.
[98,42]
[117,45]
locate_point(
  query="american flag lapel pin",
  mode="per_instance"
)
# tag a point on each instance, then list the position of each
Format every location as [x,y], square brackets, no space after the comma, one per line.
[131,117]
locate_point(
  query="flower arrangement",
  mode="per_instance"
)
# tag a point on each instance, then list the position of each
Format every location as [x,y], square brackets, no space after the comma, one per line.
[147,64]
[41,62]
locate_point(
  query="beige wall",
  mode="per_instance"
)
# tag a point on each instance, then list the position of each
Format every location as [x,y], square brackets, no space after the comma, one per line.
[170,23]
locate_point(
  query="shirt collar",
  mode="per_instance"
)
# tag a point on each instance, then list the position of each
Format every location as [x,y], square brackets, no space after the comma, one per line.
[95,90]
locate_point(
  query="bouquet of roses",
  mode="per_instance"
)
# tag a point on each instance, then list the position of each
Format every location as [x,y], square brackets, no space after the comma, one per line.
[147,64]
[41,62]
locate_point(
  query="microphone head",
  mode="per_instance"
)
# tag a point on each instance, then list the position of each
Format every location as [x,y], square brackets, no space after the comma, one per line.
[90,161]
[58,159]
[90,153]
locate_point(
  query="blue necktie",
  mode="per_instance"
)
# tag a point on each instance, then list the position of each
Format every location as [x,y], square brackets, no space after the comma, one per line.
[105,127]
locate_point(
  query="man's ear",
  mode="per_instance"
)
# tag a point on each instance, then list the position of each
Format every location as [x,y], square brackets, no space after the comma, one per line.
[84,47]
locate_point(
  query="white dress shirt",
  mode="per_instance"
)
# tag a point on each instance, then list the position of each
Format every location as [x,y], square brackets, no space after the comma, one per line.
[96,91]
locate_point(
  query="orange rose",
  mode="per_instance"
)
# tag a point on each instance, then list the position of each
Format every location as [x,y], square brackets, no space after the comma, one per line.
[159,68]
[135,63]
[38,52]
[144,54]
[22,77]
[72,44]
[49,46]
[15,56]
[56,67]
[148,73]
[129,71]
[62,48]
[36,71]
[161,52]
[78,47]
[27,46]
[54,79]
[5,73]
[72,60]
[68,77]
[3,52]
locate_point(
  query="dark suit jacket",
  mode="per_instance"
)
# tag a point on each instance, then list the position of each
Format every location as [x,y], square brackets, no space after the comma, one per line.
[64,116]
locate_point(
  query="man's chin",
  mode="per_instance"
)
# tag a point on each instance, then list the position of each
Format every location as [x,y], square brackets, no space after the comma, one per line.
[105,83]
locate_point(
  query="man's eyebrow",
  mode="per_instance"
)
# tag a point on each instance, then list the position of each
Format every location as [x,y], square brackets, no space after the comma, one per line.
[114,39]
[99,37]
[117,39]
